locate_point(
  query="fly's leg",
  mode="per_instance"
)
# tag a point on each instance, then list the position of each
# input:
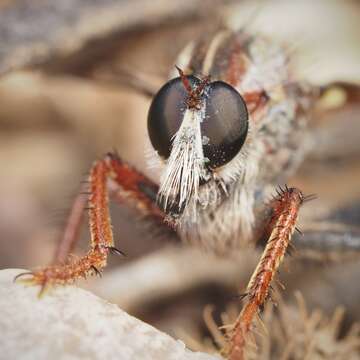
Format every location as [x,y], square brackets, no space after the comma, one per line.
[132,185]
[73,224]
[284,208]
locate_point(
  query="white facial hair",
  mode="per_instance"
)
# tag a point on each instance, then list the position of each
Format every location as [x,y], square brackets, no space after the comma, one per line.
[185,167]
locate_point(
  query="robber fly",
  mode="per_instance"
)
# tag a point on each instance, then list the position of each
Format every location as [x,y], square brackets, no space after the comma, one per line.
[227,127]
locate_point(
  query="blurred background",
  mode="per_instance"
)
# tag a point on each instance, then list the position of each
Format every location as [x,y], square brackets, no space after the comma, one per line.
[64,103]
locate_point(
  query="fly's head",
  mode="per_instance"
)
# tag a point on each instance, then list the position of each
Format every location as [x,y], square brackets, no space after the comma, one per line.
[197,126]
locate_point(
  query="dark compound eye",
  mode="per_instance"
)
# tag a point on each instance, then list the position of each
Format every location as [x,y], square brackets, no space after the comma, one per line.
[225,126]
[223,129]
[166,113]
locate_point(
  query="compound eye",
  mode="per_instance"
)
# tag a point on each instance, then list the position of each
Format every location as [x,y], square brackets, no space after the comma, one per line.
[166,114]
[225,126]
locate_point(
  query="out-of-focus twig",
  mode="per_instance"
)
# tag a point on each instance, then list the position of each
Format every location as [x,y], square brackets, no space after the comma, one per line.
[169,272]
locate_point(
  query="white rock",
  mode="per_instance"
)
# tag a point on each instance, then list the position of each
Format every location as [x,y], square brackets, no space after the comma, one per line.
[71,323]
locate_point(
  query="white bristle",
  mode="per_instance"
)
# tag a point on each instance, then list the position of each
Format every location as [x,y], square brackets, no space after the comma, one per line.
[186,164]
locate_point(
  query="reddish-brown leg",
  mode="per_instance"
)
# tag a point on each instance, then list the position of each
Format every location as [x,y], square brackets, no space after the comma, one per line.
[132,185]
[285,208]
[72,229]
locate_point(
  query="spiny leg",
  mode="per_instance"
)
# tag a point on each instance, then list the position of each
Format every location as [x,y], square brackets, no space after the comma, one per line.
[127,179]
[133,185]
[285,208]
[101,237]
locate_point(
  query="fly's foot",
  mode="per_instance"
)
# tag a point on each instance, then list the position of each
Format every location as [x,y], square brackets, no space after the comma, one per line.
[42,278]
[90,264]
